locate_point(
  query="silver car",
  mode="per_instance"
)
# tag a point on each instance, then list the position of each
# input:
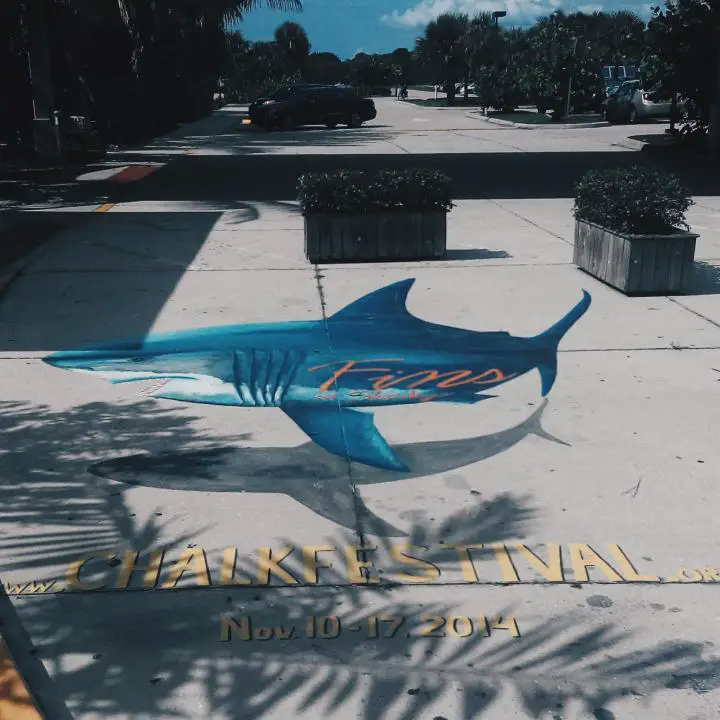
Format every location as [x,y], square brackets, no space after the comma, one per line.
[632,103]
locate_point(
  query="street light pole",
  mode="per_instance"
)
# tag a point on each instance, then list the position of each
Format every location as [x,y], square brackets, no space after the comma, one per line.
[498,14]
[567,104]
[41,79]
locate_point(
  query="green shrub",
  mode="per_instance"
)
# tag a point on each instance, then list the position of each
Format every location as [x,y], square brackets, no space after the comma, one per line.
[633,201]
[357,192]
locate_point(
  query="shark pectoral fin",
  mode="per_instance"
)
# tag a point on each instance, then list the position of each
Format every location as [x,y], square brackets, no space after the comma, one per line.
[548,373]
[365,444]
[347,433]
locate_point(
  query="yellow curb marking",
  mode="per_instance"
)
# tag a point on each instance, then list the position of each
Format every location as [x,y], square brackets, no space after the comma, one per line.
[104,207]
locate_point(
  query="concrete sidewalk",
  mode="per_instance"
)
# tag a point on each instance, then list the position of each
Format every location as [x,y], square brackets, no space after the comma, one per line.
[538,558]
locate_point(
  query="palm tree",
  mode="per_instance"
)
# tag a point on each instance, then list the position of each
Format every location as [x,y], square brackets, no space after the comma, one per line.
[293,46]
[176,50]
[442,49]
[482,43]
[618,35]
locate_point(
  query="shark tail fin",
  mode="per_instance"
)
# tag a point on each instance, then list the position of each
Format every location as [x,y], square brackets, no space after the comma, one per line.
[550,339]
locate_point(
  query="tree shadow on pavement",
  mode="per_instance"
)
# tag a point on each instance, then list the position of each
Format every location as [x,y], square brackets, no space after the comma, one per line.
[107,275]
[147,653]
[52,511]
[486,175]
[151,652]
[705,278]
[253,141]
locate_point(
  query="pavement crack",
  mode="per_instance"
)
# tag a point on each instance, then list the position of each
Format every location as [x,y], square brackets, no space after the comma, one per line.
[635,489]
[488,140]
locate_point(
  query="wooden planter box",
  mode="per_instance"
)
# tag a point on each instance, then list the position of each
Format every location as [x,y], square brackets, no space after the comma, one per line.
[381,236]
[636,264]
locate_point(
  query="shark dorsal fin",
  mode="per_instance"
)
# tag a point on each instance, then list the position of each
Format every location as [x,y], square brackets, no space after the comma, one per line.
[388,301]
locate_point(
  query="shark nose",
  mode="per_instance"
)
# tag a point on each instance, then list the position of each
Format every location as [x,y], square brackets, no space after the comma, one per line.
[58,360]
[69,359]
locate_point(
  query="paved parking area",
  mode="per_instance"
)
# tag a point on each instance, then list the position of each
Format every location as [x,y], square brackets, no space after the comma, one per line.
[177,559]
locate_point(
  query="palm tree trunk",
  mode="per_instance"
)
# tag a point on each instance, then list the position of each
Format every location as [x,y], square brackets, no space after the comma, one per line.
[713,137]
[43,93]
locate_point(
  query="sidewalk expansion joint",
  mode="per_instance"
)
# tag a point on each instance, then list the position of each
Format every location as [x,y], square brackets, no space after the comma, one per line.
[357,502]
[694,312]
[373,584]
[487,140]
[530,222]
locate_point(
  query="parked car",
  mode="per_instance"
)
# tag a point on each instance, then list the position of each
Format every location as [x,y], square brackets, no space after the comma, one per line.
[296,105]
[611,87]
[632,103]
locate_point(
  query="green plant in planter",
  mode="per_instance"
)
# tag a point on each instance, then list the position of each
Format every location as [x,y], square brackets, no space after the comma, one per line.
[633,201]
[357,192]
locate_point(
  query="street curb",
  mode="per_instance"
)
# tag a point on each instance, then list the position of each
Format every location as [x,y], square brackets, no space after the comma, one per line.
[509,123]
[639,145]
[31,669]
[630,144]
[538,126]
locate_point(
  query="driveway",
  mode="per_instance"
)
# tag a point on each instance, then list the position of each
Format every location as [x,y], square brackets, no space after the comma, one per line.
[535,557]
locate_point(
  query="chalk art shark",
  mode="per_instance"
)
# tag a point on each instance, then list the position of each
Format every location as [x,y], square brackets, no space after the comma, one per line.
[369,354]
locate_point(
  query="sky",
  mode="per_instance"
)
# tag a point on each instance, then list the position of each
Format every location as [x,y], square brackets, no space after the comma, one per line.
[346,27]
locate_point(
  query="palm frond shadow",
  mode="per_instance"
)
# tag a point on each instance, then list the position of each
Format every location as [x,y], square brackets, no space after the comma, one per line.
[53,512]
[149,647]
[144,651]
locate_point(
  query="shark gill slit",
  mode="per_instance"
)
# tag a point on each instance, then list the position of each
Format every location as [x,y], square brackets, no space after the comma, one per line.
[260,362]
[263,377]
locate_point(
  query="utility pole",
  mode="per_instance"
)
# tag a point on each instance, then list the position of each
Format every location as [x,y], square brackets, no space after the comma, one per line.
[38,50]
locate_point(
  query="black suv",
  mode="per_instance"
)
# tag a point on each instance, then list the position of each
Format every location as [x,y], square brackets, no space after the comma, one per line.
[295,105]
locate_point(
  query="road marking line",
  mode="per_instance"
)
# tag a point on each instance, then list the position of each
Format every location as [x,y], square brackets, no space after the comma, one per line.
[104,207]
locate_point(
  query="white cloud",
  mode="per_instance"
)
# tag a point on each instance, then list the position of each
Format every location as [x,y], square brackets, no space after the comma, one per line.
[519,12]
